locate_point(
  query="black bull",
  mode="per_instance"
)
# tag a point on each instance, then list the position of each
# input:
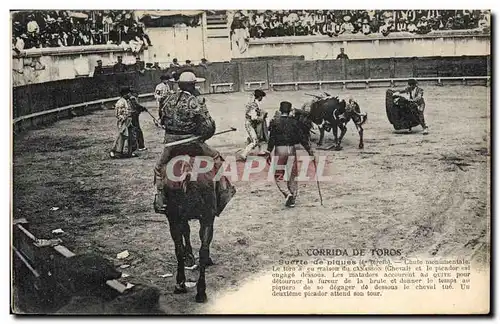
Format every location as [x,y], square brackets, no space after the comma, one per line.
[332,113]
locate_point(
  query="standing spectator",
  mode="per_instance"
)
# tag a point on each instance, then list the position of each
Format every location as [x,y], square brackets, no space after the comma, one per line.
[119,67]
[188,63]
[342,55]
[156,66]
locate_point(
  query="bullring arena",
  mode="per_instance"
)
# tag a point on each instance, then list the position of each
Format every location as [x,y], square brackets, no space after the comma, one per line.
[424,194]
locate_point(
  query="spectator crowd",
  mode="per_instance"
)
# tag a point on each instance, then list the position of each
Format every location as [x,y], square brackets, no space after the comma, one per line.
[44,28]
[272,23]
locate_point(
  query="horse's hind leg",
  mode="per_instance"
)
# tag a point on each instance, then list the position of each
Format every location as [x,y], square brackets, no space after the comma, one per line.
[176,233]
[206,235]
[188,249]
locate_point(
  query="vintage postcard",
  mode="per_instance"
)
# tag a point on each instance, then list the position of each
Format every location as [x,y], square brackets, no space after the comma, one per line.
[268,161]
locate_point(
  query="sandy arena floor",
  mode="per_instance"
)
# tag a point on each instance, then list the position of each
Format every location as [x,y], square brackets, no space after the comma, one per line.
[428,195]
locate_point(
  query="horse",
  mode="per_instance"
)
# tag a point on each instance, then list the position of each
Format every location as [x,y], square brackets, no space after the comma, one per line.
[330,113]
[203,198]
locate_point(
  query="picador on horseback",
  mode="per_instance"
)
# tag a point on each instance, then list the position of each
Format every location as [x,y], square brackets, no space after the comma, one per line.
[184,116]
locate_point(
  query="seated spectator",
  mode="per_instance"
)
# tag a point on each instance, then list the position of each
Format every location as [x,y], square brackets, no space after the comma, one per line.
[484,23]
[119,67]
[423,26]
[412,27]
[20,44]
[387,28]
[156,66]
[347,25]
[358,25]
[365,27]
[458,22]
[188,63]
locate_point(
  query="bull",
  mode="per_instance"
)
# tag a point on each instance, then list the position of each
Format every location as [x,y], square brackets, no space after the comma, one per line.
[333,113]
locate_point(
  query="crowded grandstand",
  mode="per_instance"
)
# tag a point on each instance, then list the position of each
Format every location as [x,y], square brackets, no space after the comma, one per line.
[40,29]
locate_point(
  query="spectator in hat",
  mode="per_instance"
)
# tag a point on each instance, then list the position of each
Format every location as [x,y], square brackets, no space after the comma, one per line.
[188,63]
[119,67]
[365,27]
